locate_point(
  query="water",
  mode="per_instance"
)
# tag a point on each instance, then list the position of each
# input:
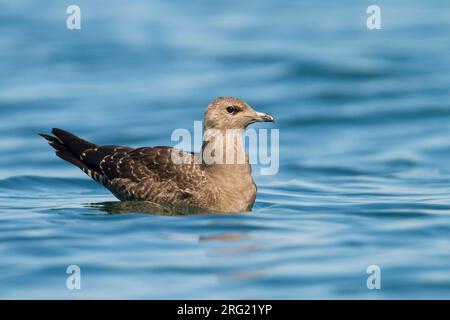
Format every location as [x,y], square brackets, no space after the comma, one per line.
[364,119]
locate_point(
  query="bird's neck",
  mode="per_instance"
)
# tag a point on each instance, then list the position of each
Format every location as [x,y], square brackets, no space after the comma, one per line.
[226,163]
[224,147]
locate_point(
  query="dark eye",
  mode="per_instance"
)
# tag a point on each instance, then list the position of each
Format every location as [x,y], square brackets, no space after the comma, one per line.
[231,109]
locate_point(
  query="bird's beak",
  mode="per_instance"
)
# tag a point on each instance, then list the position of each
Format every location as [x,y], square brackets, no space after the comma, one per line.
[264,117]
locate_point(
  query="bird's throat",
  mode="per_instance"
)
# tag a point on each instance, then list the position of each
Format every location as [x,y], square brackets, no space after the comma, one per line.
[224,147]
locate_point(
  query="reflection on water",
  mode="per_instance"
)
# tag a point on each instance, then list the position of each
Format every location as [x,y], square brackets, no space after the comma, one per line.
[119,207]
[225,237]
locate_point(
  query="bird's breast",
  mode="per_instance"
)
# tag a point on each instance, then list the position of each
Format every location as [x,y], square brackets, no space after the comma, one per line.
[234,190]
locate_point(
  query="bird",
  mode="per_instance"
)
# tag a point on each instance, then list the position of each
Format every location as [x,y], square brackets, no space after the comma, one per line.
[164,175]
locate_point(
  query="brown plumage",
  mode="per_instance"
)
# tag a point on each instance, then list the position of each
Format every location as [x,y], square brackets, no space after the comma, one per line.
[151,174]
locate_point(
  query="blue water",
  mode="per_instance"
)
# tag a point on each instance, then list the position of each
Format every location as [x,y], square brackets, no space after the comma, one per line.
[364,120]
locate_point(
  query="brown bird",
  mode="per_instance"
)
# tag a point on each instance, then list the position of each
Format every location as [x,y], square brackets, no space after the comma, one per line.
[218,179]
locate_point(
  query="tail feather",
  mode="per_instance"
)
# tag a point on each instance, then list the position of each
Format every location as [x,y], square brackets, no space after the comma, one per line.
[70,148]
[53,141]
[73,143]
[69,158]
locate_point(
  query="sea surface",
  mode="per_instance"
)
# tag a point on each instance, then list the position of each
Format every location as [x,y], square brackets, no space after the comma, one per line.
[364,170]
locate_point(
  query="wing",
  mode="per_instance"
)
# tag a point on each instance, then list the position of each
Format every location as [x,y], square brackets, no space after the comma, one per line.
[135,174]
[150,174]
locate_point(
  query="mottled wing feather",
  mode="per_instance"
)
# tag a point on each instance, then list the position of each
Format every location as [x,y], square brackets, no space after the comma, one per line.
[149,174]
[136,174]
[94,156]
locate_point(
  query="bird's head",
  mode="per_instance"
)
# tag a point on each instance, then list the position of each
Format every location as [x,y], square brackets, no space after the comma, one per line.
[232,113]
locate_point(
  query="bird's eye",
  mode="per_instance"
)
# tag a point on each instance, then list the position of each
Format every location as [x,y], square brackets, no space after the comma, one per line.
[231,109]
